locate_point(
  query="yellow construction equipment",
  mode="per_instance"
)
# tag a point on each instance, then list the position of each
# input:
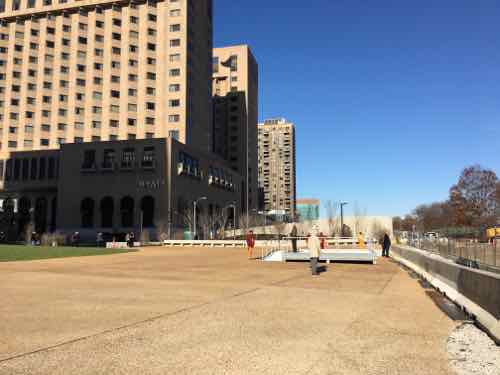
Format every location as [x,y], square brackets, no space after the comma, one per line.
[493,232]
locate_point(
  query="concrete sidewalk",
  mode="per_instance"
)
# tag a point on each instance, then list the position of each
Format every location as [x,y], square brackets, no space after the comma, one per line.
[211,311]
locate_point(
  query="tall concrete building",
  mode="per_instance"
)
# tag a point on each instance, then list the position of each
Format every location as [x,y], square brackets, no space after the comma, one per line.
[106,117]
[277,177]
[235,89]
[99,70]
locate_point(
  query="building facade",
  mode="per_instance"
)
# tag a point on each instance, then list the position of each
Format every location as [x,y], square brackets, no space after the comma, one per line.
[235,89]
[99,70]
[116,187]
[307,210]
[277,177]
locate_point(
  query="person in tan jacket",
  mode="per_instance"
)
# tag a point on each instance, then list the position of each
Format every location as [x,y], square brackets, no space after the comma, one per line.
[314,245]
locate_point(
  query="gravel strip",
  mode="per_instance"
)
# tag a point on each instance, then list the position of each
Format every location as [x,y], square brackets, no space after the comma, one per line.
[471,351]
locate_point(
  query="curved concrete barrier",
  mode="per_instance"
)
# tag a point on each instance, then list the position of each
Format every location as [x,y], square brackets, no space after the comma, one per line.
[477,291]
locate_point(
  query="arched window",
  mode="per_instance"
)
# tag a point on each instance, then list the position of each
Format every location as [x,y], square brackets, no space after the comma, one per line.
[24,214]
[148,211]
[41,215]
[87,212]
[127,212]
[53,215]
[107,209]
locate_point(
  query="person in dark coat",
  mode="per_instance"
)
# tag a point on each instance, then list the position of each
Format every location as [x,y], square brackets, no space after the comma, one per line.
[386,245]
[75,239]
[293,235]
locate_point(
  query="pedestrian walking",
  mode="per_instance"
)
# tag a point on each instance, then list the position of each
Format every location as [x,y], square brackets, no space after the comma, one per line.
[386,245]
[313,243]
[127,239]
[75,239]
[322,241]
[250,238]
[293,235]
[99,239]
[131,239]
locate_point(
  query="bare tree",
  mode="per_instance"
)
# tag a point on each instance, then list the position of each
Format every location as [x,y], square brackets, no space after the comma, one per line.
[163,230]
[333,218]
[359,218]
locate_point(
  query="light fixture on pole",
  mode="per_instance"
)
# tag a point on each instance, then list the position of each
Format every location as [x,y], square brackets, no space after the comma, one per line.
[342,204]
[233,205]
[195,203]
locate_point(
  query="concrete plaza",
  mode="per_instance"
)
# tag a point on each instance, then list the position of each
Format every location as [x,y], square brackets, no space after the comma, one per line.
[211,311]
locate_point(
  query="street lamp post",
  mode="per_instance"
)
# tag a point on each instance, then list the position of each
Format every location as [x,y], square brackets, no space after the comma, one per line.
[195,203]
[233,205]
[342,204]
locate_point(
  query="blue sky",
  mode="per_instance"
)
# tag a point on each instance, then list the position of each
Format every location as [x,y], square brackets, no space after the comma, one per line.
[391,99]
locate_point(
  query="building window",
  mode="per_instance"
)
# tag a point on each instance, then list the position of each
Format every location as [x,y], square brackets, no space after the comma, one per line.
[52,168]
[89,159]
[107,211]
[174,134]
[175,42]
[175,72]
[42,169]
[148,211]
[34,168]
[26,169]
[148,157]
[87,212]
[173,118]
[128,158]
[175,57]
[108,158]
[127,212]
[175,27]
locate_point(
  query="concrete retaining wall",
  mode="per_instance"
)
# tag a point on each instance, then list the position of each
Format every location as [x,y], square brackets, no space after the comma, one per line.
[475,290]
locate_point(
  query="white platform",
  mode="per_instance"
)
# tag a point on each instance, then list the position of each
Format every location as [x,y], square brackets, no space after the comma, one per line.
[331,255]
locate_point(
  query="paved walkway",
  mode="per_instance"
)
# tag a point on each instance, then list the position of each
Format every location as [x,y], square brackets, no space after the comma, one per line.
[211,311]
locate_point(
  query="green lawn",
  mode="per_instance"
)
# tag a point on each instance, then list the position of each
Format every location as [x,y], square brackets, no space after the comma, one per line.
[9,253]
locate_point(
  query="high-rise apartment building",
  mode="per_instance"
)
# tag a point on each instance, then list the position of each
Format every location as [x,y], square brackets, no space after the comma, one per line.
[277,177]
[235,89]
[82,71]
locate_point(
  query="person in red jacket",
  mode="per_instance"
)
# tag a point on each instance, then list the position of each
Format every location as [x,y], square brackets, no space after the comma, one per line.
[250,237]
[322,241]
